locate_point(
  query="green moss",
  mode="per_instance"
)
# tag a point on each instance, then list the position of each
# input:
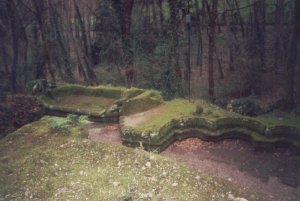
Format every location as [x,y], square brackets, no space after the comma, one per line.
[82,102]
[279,118]
[102,91]
[176,116]
[142,102]
[132,92]
[39,164]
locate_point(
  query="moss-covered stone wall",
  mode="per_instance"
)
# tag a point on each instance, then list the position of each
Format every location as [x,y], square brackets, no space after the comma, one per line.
[227,127]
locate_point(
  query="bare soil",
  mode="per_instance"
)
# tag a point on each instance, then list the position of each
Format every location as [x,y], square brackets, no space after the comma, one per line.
[18,110]
[105,133]
[139,118]
[273,173]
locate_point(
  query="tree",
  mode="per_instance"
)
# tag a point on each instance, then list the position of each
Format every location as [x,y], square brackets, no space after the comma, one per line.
[292,56]
[124,10]
[176,77]
[211,33]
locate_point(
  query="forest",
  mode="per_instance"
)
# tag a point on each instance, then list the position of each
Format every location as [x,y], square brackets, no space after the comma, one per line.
[150,100]
[212,49]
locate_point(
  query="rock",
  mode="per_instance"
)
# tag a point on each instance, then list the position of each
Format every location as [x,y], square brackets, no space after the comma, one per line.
[232,198]
[175,184]
[115,183]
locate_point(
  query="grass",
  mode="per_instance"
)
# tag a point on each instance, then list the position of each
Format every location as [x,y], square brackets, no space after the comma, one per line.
[278,118]
[39,163]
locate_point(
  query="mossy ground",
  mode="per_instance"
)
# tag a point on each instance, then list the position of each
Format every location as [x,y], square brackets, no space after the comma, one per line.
[179,108]
[179,119]
[167,111]
[38,162]
[107,91]
[141,102]
[82,102]
[279,118]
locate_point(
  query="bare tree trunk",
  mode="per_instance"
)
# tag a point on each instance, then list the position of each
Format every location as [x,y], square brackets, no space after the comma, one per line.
[4,58]
[259,19]
[87,56]
[46,58]
[292,56]
[279,46]
[124,11]
[211,32]
[188,53]
[161,15]
[219,64]
[239,16]
[154,17]
[15,29]
[199,34]
[56,26]
[174,55]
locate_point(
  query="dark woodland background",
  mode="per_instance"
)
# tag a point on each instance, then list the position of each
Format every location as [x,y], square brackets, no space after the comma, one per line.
[212,49]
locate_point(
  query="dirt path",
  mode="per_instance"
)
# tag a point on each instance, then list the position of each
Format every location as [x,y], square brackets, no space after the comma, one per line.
[139,118]
[276,174]
[105,133]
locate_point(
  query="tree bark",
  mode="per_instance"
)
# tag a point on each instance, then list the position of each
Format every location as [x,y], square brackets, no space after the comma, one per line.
[292,56]
[86,50]
[124,10]
[15,29]
[279,46]
[174,55]
[199,34]
[211,32]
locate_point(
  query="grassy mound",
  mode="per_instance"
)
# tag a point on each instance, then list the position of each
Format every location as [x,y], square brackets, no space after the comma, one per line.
[41,161]
[179,119]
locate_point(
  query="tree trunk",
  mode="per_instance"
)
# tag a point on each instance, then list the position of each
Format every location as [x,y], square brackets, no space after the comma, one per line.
[279,46]
[15,29]
[124,10]
[46,58]
[161,16]
[174,55]
[211,32]
[86,50]
[292,56]
[199,34]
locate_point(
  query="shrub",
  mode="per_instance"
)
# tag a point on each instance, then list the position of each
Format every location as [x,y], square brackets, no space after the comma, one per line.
[61,125]
[73,118]
[245,106]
